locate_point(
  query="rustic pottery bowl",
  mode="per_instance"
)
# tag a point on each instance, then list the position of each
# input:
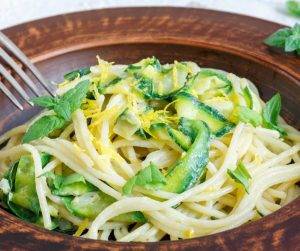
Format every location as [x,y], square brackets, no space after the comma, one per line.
[212,39]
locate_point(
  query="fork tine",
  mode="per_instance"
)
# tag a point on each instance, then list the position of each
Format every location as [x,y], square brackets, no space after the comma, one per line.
[20,55]
[14,83]
[20,72]
[10,96]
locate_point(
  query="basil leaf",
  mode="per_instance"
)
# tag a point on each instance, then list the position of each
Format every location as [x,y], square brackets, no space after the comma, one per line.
[69,102]
[128,187]
[64,106]
[75,96]
[292,43]
[278,38]
[240,175]
[246,115]
[77,73]
[293,7]
[44,101]
[42,127]
[271,112]
[272,109]
[296,29]
[286,38]
[150,177]
[63,109]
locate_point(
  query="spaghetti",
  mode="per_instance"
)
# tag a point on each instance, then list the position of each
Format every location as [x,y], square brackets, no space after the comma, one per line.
[146,151]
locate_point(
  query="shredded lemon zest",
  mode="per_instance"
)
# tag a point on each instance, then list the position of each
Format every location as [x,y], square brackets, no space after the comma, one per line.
[109,114]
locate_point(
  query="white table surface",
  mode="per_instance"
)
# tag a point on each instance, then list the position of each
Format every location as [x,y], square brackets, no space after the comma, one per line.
[18,11]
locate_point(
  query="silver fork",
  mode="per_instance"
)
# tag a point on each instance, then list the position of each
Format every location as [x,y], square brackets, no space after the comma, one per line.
[9,45]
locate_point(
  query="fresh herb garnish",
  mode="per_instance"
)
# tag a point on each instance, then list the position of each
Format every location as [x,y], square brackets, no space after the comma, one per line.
[246,115]
[63,106]
[150,177]
[45,101]
[293,7]
[271,112]
[43,127]
[240,175]
[72,99]
[286,38]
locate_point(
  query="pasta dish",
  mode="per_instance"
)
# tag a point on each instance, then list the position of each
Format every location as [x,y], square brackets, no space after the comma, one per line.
[149,151]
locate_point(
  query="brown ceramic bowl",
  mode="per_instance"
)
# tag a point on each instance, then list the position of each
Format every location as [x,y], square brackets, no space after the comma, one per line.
[212,39]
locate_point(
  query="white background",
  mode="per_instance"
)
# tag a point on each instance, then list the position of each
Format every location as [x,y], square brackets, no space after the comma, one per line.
[18,11]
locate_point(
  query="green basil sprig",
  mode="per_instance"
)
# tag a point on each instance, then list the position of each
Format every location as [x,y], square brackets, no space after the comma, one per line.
[63,107]
[286,38]
[293,7]
[270,114]
[150,177]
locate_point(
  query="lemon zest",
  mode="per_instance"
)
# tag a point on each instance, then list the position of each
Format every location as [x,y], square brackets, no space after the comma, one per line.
[109,114]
